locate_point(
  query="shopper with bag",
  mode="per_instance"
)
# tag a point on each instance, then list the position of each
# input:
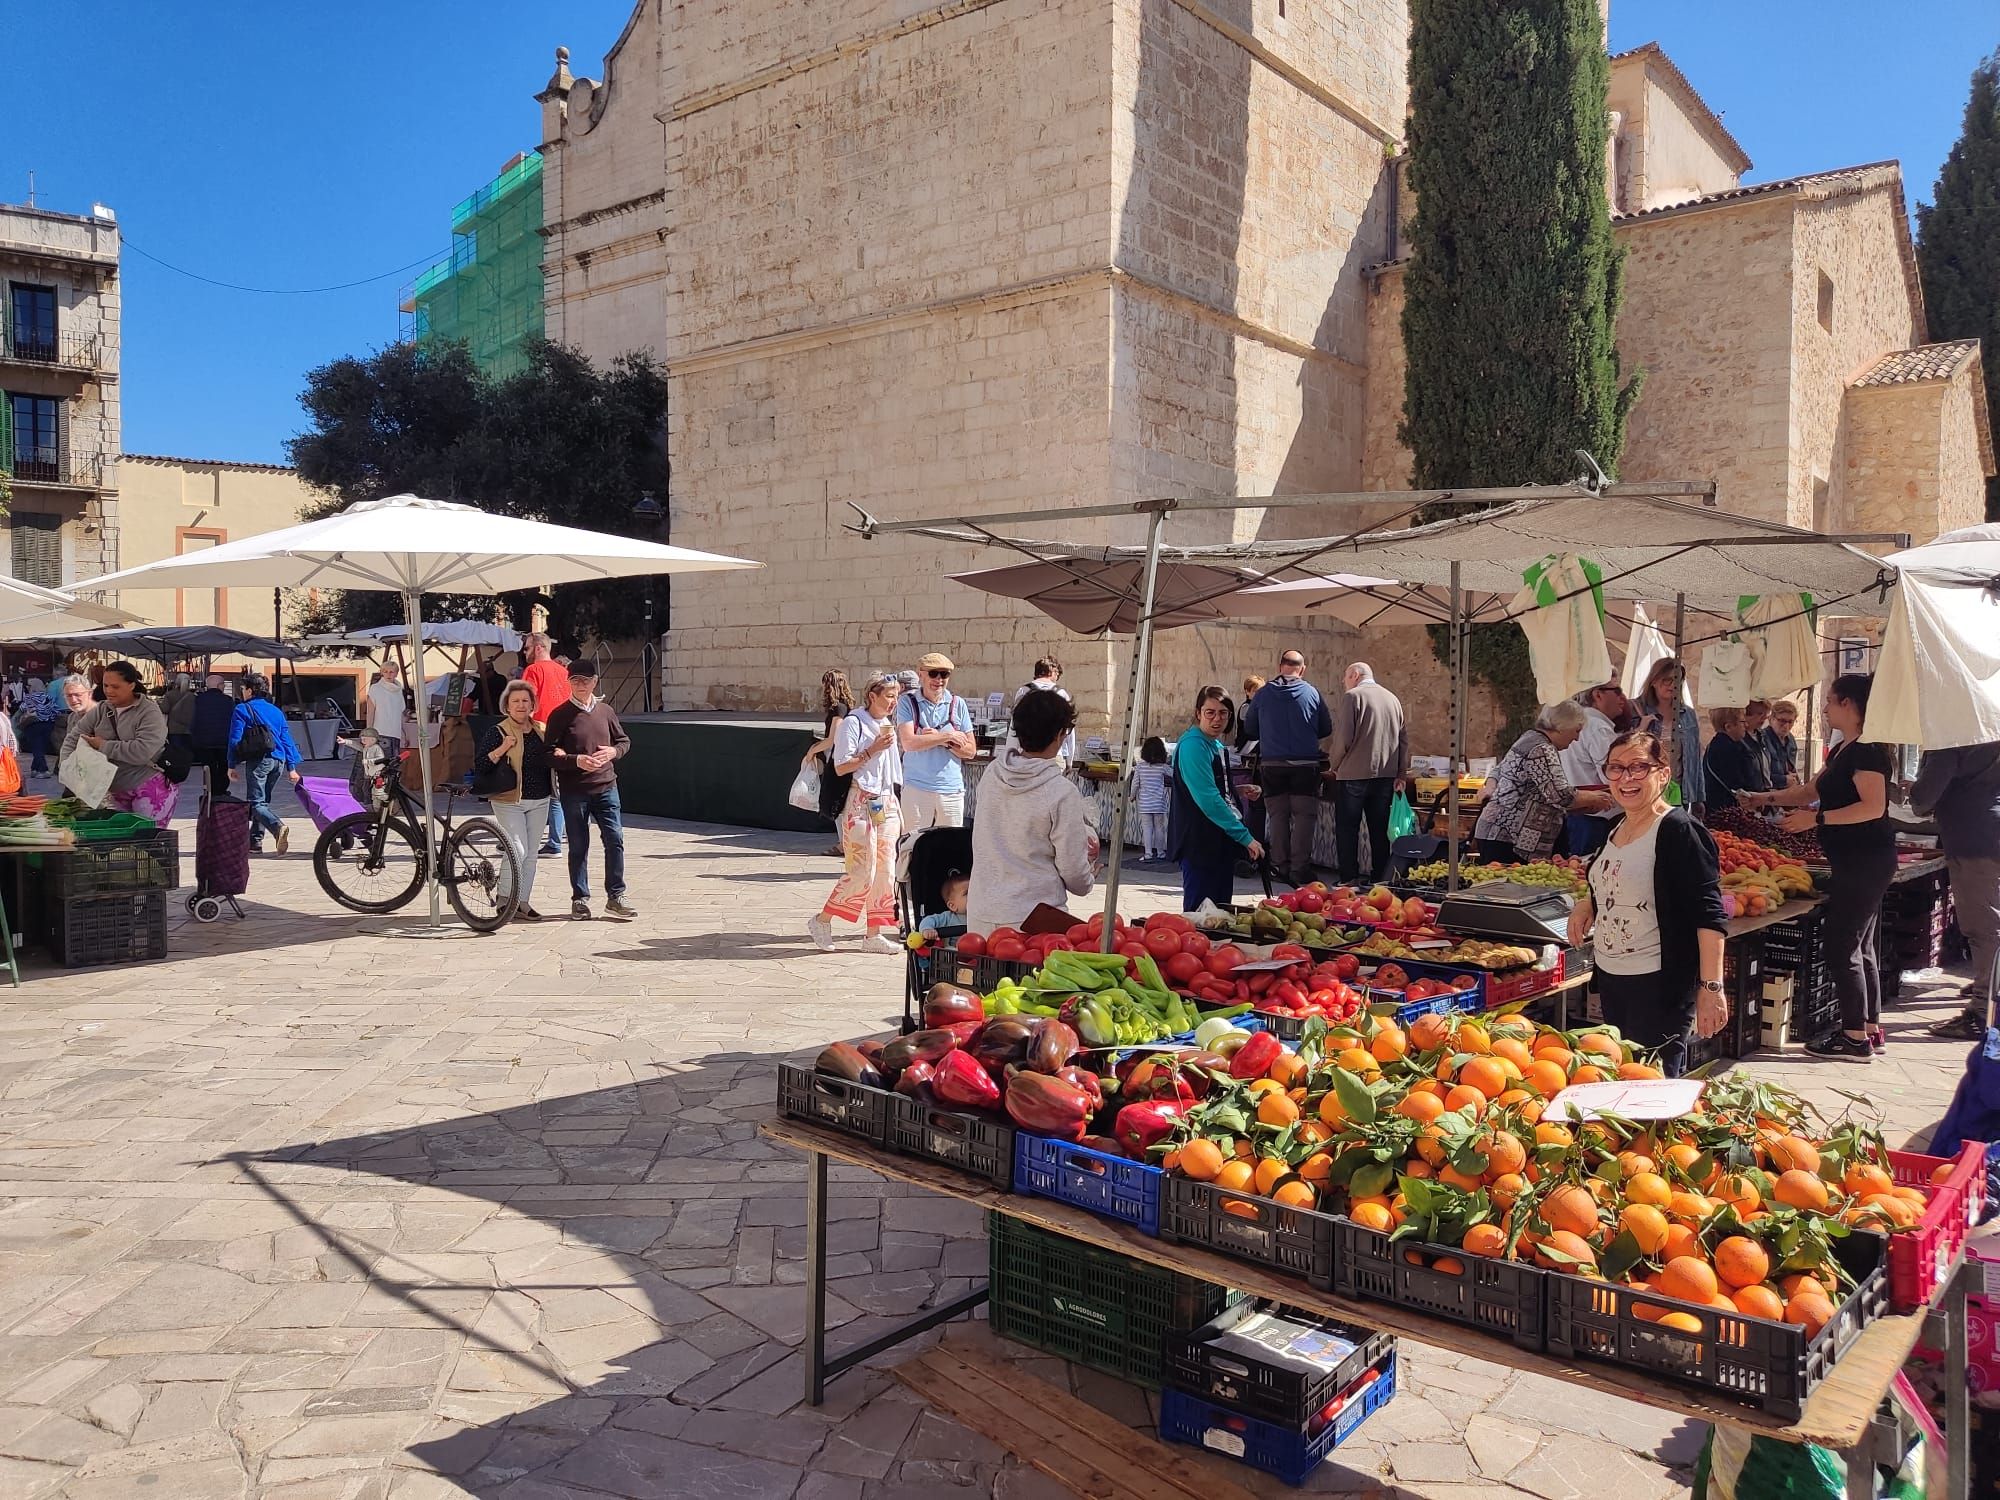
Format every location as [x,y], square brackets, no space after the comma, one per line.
[871,823]
[262,749]
[514,772]
[1205,828]
[128,730]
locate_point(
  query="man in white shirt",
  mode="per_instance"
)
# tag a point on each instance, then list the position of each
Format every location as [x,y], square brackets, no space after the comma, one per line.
[1047,679]
[1583,763]
[383,711]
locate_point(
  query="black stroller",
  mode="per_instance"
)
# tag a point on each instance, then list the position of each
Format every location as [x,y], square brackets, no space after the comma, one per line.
[935,854]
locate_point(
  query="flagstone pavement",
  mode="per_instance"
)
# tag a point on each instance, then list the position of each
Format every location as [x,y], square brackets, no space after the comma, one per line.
[320,1210]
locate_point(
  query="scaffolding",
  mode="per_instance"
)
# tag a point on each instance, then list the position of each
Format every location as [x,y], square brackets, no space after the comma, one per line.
[487,294]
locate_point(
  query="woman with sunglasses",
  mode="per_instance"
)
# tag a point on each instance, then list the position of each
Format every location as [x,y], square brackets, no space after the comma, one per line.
[1205,829]
[1655,905]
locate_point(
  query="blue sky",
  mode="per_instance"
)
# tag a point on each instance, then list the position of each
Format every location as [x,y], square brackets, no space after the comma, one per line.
[302,146]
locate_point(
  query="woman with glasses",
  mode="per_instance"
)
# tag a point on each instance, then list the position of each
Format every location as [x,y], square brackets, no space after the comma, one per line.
[1666,714]
[1205,828]
[864,748]
[1654,911]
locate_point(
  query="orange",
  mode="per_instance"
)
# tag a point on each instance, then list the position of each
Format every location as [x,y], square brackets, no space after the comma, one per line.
[1464,1181]
[1551,1134]
[1430,1145]
[1513,1097]
[1424,1107]
[1689,1208]
[1236,1176]
[1484,1239]
[1277,1109]
[1419,1169]
[1371,1216]
[1685,1322]
[1314,1168]
[1356,1061]
[1465,1096]
[1649,1188]
[1472,1037]
[1941,1173]
[1312,1132]
[1688,1280]
[1294,1193]
[1639,1070]
[1446,1265]
[1548,1041]
[1812,1283]
[1505,1188]
[1515,1026]
[1647,1225]
[1513,1050]
[1547,1077]
[1588,1073]
[1286,1069]
[1201,1160]
[1863,1178]
[1261,1086]
[1504,1153]
[1912,1194]
[1574,1247]
[1569,1207]
[1792,1153]
[1899,1211]
[1799,1188]
[1760,1302]
[1388,1043]
[1331,1111]
[1683,1154]
[1486,1075]
[1428,1032]
[1740,1261]
[1738,1190]
[1809,1311]
[1632,1163]
[1269,1171]
[1602,1045]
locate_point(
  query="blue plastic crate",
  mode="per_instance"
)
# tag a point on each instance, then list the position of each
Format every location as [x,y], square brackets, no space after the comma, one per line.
[1417,968]
[1290,1454]
[1114,1186]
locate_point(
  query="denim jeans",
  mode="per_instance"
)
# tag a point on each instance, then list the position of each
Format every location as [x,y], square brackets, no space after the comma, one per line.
[580,810]
[260,782]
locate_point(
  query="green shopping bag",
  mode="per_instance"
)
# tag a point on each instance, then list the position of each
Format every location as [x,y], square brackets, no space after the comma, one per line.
[1402,819]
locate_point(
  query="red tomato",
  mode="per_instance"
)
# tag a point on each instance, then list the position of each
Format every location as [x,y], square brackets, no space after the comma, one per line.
[1007,948]
[1003,932]
[1325,999]
[1261,981]
[1162,942]
[1289,950]
[971,944]
[1224,959]
[1197,943]
[1347,966]
[1181,968]
[1058,945]
[1132,949]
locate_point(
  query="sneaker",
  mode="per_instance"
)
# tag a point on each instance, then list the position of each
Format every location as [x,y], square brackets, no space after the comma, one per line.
[579,911]
[549,849]
[821,932]
[1839,1045]
[618,911]
[283,839]
[528,914]
[1878,1041]
[1966,1026]
[880,942]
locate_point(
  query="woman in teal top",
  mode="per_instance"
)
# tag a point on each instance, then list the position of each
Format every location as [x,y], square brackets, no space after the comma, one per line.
[1205,830]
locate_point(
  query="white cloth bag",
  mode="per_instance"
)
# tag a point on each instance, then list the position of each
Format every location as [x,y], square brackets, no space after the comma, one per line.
[1565,635]
[1782,643]
[1647,648]
[1938,682]
[1725,675]
[87,771]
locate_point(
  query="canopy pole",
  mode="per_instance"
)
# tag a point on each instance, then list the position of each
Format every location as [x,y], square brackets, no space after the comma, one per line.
[1680,623]
[1138,696]
[1458,655]
[413,611]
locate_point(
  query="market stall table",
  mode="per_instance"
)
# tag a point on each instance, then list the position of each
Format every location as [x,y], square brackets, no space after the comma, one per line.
[1839,1414]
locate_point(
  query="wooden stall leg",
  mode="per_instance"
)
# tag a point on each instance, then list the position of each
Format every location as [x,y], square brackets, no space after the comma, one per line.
[815,1277]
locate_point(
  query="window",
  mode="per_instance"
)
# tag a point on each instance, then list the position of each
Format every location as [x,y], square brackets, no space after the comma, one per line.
[37,541]
[37,423]
[31,321]
[1826,302]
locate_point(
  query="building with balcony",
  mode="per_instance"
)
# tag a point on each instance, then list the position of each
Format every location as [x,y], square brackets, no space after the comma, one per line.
[487,294]
[59,414]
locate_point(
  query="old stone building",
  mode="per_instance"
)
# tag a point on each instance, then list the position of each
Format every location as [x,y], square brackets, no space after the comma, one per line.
[933,259]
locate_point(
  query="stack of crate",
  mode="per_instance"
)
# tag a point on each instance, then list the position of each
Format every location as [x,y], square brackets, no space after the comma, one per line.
[1798,981]
[107,901]
[1916,915]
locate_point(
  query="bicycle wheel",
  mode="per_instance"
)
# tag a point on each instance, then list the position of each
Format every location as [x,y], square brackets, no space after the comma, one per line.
[482,878]
[370,865]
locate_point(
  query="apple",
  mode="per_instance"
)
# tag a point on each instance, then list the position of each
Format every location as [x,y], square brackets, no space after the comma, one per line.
[1381,898]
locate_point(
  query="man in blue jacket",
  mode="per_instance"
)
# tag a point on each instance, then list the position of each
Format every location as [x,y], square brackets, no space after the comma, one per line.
[1288,719]
[261,747]
[209,733]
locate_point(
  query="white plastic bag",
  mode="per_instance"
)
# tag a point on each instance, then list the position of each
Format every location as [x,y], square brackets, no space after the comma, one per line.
[805,788]
[87,772]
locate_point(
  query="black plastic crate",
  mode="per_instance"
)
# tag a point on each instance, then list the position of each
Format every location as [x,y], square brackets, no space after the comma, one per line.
[940,962]
[1773,1365]
[108,929]
[1702,1051]
[1289,1380]
[152,863]
[1089,1305]
[979,1144]
[1288,1452]
[1502,1297]
[1296,1241]
[834,1102]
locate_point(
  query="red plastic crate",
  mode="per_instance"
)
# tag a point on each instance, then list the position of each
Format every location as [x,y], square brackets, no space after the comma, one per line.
[1919,1259]
[1519,984]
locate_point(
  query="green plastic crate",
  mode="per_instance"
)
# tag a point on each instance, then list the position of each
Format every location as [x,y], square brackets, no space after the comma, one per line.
[1092,1306]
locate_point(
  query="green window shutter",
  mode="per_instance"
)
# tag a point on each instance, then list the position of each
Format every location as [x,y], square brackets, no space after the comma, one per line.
[37,547]
[6,433]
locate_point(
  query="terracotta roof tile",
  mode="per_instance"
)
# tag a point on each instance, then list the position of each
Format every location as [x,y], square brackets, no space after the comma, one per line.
[205,463]
[1677,82]
[1930,362]
[1761,189]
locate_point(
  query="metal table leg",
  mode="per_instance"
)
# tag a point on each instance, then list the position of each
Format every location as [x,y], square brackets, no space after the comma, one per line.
[819,1368]
[1945,1329]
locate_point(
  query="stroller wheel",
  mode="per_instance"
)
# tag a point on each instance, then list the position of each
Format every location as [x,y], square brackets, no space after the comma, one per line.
[205,908]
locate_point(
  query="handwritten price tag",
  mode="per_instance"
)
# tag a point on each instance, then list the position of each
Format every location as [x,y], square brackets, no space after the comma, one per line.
[1629,1099]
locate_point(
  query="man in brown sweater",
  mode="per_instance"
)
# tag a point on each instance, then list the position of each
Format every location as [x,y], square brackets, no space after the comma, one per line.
[585,738]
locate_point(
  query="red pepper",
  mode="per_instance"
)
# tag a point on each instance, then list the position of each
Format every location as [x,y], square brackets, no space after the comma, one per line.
[1252,1060]
[1082,1078]
[1049,1105]
[1139,1126]
[963,1084]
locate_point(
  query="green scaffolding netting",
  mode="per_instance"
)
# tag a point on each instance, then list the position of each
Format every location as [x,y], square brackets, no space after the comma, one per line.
[487,294]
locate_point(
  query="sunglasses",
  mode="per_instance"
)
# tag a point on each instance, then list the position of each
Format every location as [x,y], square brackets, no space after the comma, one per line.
[937,675]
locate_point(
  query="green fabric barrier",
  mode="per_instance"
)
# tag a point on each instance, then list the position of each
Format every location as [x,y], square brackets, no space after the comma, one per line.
[738,774]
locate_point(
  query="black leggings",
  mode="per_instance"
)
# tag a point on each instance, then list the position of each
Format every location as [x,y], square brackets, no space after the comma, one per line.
[1646,1011]
[1853,922]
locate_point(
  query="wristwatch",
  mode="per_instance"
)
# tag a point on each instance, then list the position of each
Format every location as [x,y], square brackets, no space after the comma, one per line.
[1713,986]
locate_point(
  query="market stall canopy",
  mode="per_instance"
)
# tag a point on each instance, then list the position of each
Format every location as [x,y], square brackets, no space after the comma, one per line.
[436,633]
[1094,595]
[29,612]
[173,642]
[1938,681]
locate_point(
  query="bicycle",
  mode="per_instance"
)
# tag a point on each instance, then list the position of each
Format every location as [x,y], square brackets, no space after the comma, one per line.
[374,861]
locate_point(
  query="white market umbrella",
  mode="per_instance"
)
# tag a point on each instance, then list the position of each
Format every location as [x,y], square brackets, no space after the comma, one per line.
[29,612]
[436,633]
[411,546]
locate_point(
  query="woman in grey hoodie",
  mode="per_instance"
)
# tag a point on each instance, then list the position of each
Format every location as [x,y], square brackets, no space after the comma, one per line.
[1031,836]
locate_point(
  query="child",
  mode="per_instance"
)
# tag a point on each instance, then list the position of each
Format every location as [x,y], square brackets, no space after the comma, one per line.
[951,921]
[1150,781]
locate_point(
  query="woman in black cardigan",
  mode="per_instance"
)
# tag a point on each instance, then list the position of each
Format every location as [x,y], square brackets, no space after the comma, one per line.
[1656,904]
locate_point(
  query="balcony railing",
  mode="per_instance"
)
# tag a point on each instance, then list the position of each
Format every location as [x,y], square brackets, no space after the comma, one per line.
[36,464]
[41,346]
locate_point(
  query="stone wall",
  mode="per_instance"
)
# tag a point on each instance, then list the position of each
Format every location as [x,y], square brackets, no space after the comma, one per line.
[1962,460]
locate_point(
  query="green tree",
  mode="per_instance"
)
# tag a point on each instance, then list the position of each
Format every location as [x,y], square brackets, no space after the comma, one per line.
[561,441]
[1513,283]
[1958,240]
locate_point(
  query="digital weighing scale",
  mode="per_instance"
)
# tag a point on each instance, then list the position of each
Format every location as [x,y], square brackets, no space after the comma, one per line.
[1533,914]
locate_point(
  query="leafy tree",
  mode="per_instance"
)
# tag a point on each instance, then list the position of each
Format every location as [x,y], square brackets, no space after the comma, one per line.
[561,441]
[1958,240]
[1513,284]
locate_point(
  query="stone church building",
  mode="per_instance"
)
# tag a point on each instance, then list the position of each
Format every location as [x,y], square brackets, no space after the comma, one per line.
[945,258]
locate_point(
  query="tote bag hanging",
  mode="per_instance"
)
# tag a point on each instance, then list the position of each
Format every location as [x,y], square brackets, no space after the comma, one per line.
[1561,611]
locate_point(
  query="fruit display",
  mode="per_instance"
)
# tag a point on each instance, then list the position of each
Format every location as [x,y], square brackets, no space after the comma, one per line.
[1561,873]
[1437,1134]
[1772,842]
[1758,878]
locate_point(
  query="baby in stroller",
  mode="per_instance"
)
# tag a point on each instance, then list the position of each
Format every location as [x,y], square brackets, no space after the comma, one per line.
[936,882]
[949,923]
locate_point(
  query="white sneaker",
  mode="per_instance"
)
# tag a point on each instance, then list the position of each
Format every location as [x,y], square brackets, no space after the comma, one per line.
[877,942]
[821,932]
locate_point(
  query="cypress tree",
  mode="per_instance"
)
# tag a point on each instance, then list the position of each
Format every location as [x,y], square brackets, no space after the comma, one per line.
[1513,282]
[1958,240]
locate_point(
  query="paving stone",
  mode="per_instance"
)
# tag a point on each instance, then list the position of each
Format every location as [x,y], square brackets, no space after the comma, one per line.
[1432,1463]
[865,1445]
[636,1463]
[1496,1446]
[1577,1468]
[205,1479]
[61,1439]
[117,1408]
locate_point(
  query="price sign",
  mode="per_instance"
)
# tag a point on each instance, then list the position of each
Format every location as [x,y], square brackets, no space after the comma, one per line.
[1628,1098]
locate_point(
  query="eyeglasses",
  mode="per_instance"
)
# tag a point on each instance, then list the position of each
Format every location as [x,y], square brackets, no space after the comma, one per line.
[1636,770]
[937,675]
